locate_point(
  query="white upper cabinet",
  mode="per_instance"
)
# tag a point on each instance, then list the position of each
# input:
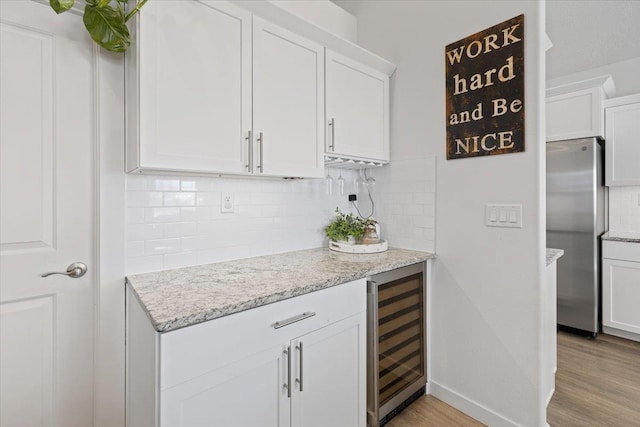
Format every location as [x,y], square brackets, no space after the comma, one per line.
[288,102]
[575,110]
[357,103]
[213,88]
[189,88]
[622,141]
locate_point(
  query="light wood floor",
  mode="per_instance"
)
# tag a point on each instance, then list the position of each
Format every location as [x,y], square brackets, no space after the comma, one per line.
[428,411]
[597,385]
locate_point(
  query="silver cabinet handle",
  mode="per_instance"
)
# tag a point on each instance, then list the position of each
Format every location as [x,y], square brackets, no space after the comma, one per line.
[249,164]
[260,144]
[75,270]
[332,146]
[282,323]
[287,352]
[299,380]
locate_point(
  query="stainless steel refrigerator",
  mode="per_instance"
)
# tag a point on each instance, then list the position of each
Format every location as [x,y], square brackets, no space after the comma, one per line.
[575,222]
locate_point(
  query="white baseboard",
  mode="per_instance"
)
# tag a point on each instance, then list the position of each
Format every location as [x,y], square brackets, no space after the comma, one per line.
[553,390]
[620,333]
[469,407]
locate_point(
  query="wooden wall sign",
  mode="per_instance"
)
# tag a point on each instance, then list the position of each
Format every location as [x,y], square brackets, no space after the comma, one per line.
[485,92]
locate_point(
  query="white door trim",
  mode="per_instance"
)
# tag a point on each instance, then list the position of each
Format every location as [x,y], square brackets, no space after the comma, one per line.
[109,355]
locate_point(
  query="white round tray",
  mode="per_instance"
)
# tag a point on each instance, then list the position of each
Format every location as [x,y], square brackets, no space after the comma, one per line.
[359,249]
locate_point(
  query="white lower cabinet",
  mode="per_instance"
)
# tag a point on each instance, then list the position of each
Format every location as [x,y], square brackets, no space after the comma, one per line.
[621,289]
[240,370]
[327,389]
[223,396]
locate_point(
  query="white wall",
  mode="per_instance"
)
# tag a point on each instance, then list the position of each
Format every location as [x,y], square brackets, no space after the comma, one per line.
[626,76]
[175,221]
[486,296]
[324,14]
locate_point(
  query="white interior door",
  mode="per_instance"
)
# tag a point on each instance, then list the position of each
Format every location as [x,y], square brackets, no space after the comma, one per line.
[47,87]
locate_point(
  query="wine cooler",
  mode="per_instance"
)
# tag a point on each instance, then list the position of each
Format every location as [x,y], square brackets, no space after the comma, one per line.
[396,341]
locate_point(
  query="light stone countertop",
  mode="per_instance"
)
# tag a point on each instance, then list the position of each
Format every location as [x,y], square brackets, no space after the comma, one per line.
[553,255]
[622,237]
[182,297]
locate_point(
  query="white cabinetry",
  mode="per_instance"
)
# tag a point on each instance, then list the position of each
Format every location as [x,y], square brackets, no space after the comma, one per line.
[357,102]
[288,102]
[576,110]
[621,289]
[201,76]
[622,141]
[189,88]
[239,370]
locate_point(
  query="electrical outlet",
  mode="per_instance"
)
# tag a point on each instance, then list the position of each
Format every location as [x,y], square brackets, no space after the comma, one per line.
[226,203]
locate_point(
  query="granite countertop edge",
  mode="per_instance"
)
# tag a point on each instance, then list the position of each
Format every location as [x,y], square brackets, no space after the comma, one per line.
[193,318]
[553,255]
[622,237]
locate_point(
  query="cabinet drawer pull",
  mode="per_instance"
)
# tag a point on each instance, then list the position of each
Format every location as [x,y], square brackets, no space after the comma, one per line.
[249,164]
[287,352]
[299,380]
[332,146]
[294,319]
[261,145]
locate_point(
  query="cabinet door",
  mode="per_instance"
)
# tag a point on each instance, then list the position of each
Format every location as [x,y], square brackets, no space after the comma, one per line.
[288,102]
[575,115]
[623,145]
[621,295]
[194,77]
[329,371]
[249,392]
[357,100]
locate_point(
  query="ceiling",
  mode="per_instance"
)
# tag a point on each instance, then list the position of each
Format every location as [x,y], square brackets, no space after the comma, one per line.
[589,34]
[585,34]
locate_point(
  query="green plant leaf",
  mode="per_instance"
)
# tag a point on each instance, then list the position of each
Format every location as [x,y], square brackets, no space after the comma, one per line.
[106,27]
[60,6]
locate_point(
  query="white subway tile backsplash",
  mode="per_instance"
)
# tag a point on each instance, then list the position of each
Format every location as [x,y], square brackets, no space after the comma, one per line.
[624,210]
[135,249]
[163,184]
[161,246]
[197,184]
[224,254]
[135,215]
[144,231]
[162,214]
[197,213]
[180,229]
[208,198]
[144,264]
[144,198]
[179,260]
[176,221]
[405,203]
[136,182]
[179,198]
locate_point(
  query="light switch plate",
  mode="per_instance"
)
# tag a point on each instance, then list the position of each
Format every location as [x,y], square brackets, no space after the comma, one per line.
[498,215]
